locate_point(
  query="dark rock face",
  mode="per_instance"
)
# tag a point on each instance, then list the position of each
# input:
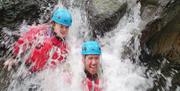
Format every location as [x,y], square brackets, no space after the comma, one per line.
[14,12]
[162,35]
[104,15]
[162,38]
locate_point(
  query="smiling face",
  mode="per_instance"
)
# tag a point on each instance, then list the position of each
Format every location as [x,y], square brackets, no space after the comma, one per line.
[61,30]
[91,63]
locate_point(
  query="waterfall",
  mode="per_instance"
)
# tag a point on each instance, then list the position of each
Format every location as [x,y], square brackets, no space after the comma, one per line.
[120,58]
[119,72]
[119,69]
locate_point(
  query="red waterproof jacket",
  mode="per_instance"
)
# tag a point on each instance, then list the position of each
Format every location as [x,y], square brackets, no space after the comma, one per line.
[50,52]
[92,85]
[91,82]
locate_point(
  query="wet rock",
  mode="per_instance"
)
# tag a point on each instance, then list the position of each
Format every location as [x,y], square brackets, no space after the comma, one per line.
[73,3]
[103,15]
[14,12]
[151,9]
[162,35]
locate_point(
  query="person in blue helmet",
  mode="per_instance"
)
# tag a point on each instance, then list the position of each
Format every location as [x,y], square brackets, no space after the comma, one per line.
[51,51]
[91,52]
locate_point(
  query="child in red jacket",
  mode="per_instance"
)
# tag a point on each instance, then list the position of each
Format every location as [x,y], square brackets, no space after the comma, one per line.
[50,51]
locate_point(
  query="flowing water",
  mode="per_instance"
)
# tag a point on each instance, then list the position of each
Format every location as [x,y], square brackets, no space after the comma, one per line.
[120,58]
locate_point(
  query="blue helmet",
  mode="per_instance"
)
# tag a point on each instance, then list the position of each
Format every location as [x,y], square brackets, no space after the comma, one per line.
[62,16]
[91,47]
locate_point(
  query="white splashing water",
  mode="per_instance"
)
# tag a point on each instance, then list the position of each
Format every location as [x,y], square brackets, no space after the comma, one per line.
[119,73]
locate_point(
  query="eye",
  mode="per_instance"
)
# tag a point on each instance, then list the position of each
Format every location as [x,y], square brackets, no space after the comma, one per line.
[90,58]
[67,27]
[97,58]
[61,26]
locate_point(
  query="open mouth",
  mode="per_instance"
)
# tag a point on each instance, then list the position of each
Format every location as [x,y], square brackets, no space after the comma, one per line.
[93,67]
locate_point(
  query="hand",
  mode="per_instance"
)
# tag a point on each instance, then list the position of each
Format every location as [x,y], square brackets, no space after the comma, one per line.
[9,63]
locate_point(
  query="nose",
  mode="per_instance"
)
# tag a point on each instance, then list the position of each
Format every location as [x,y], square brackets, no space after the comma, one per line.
[93,62]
